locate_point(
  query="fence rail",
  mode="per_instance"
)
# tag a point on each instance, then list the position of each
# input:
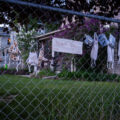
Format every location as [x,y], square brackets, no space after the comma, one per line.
[62,10]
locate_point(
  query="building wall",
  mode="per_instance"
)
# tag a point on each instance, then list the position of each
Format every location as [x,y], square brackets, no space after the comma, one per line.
[3,45]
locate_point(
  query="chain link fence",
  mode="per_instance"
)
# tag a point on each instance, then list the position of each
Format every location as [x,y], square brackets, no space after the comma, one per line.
[57,65]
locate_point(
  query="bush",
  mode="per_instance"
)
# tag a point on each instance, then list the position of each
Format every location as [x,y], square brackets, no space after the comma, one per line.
[13,71]
[88,76]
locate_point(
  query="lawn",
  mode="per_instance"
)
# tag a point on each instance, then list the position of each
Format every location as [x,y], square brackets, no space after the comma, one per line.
[37,99]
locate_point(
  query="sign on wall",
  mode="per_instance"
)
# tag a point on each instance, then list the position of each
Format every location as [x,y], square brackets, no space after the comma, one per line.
[66,46]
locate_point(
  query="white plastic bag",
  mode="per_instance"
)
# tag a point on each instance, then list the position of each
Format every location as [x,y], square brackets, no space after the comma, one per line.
[94,51]
[112,41]
[119,52]
[32,59]
[110,57]
[110,52]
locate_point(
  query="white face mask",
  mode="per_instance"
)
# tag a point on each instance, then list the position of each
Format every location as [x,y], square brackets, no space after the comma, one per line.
[88,40]
[103,40]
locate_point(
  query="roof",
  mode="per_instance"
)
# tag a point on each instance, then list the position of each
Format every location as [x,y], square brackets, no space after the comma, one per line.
[47,35]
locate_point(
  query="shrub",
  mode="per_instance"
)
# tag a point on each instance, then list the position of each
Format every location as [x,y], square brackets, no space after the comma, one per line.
[88,76]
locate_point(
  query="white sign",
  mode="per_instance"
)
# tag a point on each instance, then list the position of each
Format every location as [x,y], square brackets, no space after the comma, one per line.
[66,46]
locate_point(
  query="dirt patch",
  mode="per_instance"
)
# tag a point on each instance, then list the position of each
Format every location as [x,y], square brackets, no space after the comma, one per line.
[28,76]
[7,99]
[50,77]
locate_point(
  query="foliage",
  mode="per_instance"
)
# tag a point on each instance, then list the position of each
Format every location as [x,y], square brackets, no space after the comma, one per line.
[77,31]
[12,71]
[51,27]
[108,8]
[26,41]
[88,75]
[10,12]
[89,27]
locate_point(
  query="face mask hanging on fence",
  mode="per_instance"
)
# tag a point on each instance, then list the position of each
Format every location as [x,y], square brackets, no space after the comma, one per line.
[104,42]
[110,52]
[119,52]
[94,51]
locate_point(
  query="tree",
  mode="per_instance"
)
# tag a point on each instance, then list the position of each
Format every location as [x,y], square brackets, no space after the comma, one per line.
[107,8]
[11,12]
[26,41]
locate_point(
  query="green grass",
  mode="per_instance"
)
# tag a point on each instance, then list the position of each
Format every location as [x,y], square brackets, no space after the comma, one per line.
[44,73]
[58,99]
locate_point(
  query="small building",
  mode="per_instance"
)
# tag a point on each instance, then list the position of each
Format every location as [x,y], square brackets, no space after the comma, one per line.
[60,61]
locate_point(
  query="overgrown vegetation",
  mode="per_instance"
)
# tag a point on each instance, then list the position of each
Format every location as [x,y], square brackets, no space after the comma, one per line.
[89,76]
[58,99]
[26,41]
[12,71]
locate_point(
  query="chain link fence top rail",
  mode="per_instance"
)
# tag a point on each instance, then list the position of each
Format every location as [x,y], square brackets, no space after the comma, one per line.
[57,64]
